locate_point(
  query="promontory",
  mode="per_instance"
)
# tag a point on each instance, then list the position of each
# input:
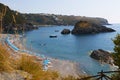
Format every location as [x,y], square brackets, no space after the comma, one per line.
[87,27]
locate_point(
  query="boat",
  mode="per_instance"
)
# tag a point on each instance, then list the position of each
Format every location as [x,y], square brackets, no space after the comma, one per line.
[53,36]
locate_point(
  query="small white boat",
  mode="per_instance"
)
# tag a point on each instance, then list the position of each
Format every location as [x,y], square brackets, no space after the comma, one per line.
[53,36]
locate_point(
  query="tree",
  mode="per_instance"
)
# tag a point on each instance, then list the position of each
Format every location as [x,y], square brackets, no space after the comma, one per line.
[116,54]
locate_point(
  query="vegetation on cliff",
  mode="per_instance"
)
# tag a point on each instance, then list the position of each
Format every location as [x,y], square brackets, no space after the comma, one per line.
[116,56]
[53,19]
[13,21]
[8,18]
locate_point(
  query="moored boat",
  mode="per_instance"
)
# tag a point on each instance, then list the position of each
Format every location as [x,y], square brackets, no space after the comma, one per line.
[53,36]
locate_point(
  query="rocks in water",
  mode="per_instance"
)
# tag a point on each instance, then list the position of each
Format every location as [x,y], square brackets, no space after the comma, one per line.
[102,55]
[65,31]
[85,27]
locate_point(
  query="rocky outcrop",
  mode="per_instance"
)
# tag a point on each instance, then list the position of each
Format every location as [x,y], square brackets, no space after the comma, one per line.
[65,31]
[13,21]
[102,55]
[85,27]
[18,28]
[96,20]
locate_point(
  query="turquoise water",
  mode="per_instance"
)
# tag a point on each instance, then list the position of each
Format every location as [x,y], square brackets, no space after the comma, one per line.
[72,47]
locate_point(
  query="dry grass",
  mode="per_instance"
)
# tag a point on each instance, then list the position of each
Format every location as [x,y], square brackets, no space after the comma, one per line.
[24,63]
[84,24]
[5,64]
[28,64]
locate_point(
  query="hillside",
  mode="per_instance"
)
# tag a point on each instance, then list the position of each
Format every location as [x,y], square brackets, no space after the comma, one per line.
[13,21]
[8,18]
[24,22]
[53,19]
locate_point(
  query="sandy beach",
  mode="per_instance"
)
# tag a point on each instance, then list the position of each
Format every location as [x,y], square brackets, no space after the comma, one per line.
[64,67]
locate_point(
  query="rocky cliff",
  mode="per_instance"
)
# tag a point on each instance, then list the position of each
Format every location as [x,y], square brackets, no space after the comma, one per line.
[13,21]
[88,27]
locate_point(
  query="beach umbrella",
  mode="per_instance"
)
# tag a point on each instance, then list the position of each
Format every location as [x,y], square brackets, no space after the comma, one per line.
[46,62]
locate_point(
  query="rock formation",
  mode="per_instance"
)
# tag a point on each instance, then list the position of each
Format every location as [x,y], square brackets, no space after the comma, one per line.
[65,31]
[85,27]
[102,55]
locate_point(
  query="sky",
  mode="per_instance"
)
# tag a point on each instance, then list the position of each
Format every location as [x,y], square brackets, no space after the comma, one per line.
[108,9]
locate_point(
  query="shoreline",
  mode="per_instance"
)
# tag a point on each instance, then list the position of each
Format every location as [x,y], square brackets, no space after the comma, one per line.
[64,67]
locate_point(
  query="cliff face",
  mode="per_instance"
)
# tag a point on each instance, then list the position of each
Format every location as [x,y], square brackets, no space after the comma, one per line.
[8,15]
[11,24]
[85,27]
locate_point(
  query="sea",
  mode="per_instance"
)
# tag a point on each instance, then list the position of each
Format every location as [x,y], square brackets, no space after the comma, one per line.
[71,47]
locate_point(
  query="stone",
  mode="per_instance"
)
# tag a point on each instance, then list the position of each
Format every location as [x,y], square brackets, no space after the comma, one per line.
[102,55]
[65,31]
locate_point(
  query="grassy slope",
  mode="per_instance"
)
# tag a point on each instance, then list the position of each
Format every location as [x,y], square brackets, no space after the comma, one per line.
[28,64]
